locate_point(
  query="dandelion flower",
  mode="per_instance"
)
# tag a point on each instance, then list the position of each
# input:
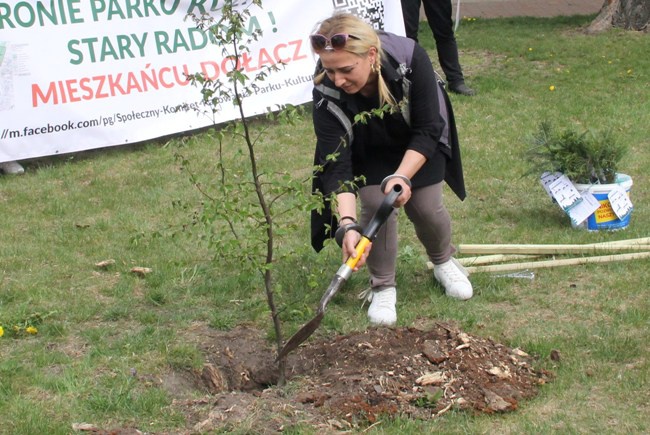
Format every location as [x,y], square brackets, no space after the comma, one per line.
[551,88]
[31,330]
[530,48]
[2,331]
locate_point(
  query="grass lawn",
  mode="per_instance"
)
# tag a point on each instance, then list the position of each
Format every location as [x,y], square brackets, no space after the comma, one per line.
[95,327]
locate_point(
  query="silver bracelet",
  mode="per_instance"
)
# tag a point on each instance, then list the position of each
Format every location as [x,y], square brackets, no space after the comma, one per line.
[341,231]
[390,177]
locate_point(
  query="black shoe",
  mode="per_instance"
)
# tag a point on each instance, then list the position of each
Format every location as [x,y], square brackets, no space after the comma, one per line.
[462,89]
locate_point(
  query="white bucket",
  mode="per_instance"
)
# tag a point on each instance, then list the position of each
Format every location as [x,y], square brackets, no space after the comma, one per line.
[604,217]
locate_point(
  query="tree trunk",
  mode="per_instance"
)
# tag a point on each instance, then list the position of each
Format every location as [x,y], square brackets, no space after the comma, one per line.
[625,14]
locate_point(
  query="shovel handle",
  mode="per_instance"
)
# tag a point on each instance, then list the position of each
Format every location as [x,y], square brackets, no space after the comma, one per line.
[382,213]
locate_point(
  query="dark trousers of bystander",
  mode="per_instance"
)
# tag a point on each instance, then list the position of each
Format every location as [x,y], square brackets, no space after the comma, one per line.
[439,18]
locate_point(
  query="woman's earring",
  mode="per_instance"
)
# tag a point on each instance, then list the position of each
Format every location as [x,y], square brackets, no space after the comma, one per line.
[372,67]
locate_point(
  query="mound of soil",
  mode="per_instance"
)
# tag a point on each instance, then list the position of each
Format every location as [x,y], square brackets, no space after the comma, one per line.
[350,381]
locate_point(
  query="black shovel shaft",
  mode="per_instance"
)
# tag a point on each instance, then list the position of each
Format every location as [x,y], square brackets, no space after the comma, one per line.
[382,213]
[344,272]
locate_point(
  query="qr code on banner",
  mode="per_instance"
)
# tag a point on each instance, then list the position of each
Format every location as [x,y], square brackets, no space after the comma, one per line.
[371,11]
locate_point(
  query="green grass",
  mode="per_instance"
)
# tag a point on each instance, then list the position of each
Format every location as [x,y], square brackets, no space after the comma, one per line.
[66,214]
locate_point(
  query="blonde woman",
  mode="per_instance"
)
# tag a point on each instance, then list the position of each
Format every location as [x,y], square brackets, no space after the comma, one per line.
[413,144]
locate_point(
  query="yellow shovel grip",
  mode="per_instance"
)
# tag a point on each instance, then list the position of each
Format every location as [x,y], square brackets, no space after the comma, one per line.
[361,246]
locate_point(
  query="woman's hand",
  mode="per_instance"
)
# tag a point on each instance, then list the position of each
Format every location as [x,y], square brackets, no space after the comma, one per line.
[405,194]
[410,165]
[350,241]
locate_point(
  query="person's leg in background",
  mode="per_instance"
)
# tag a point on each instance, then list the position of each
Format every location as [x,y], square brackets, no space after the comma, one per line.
[439,13]
[411,14]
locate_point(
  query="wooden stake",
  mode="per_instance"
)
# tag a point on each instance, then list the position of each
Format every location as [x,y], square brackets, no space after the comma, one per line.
[548,249]
[489,259]
[501,258]
[640,241]
[560,262]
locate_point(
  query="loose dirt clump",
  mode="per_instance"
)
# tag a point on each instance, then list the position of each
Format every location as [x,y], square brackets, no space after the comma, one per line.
[350,381]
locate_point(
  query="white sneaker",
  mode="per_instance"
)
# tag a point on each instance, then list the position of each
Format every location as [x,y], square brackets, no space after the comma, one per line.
[453,280]
[12,168]
[382,307]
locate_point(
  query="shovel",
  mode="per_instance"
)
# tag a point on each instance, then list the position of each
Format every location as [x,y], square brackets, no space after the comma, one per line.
[345,271]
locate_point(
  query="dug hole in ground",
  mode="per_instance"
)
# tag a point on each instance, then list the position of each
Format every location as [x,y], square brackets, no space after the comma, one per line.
[349,381]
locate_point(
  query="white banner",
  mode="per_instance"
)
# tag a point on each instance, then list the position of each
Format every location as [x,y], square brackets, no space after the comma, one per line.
[83,74]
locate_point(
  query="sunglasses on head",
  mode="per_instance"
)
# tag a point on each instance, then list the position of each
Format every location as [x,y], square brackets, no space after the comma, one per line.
[335,42]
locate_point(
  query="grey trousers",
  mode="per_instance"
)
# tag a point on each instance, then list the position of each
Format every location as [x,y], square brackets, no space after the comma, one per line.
[432,225]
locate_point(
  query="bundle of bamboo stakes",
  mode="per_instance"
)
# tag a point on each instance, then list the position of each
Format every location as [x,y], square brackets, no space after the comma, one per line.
[515,257]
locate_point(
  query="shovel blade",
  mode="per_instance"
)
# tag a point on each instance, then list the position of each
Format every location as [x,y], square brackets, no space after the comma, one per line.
[301,335]
[308,329]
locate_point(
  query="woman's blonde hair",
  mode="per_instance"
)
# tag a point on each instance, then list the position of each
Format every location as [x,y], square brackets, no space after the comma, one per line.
[364,38]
